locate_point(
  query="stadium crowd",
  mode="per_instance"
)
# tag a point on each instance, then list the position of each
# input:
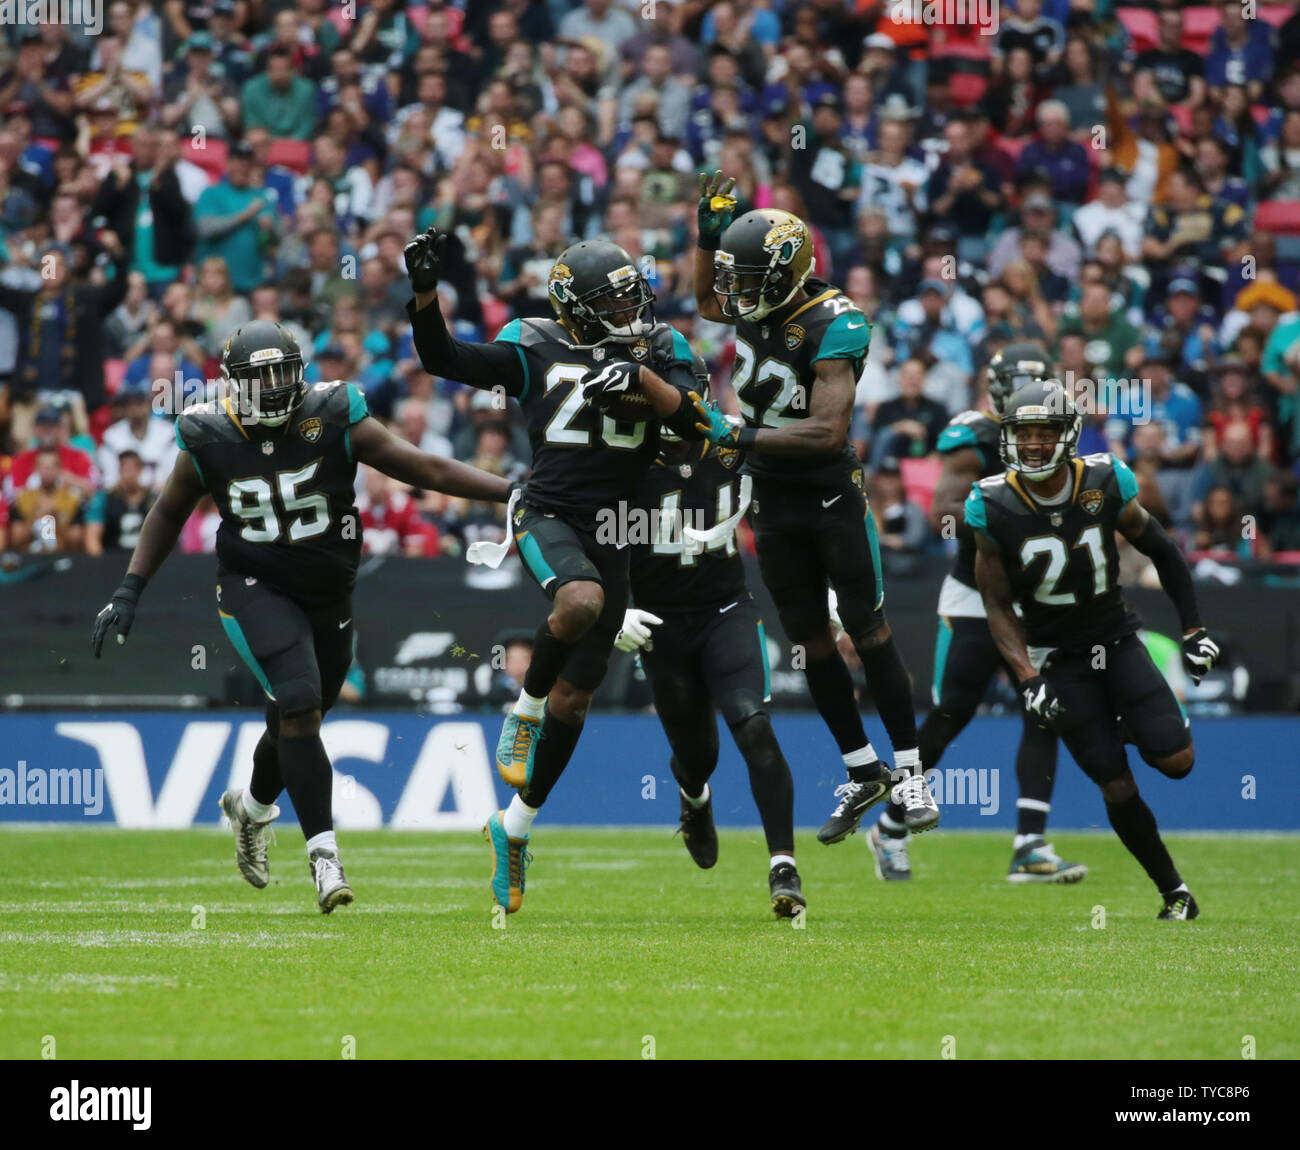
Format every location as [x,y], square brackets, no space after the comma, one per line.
[1119,183]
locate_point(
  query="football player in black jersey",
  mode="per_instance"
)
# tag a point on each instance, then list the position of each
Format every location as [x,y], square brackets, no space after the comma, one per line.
[800,347]
[1045,538]
[702,646]
[279,457]
[966,658]
[565,373]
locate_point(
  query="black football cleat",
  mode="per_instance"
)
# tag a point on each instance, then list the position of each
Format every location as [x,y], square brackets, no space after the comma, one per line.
[698,833]
[1178,905]
[856,798]
[787,892]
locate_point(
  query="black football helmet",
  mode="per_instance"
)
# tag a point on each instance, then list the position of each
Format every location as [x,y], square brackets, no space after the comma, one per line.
[1014,366]
[600,295]
[763,259]
[263,366]
[1043,403]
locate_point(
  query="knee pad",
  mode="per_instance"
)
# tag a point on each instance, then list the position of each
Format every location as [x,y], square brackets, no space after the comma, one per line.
[297,696]
[862,624]
[1153,760]
[1166,736]
[752,731]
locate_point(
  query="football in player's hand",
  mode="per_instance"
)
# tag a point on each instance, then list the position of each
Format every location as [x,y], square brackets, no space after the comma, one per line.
[614,391]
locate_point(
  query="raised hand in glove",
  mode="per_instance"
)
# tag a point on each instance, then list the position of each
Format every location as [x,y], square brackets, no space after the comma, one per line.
[717,206]
[424,256]
[616,380]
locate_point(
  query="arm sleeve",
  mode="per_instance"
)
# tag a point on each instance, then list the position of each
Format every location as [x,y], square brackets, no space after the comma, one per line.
[1175,576]
[481,365]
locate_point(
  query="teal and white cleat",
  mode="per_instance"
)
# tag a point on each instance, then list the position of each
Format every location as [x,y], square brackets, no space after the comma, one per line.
[1036,861]
[331,884]
[250,838]
[510,860]
[890,855]
[517,748]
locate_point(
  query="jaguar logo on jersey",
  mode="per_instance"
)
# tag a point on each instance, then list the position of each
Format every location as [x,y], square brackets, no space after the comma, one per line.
[640,349]
[519,514]
[310,429]
[729,457]
[793,336]
[561,281]
[1091,501]
[784,240]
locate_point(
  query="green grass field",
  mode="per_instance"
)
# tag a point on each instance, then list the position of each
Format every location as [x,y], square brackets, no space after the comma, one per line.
[621,940]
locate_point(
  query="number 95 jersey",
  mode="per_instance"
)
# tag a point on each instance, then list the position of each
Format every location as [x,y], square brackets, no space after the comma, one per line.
[285,494]
[1061,557]
[775,373]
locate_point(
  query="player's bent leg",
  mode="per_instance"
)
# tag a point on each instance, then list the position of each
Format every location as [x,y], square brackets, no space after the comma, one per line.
[1033,858]
[251,810]
[309,779]
[510,861]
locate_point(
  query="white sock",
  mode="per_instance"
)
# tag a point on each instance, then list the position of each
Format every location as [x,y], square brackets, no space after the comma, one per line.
[697,802]
[1021,840]
[323,841]
[531,706]
[910,758]
[777,860]
[860,758]
[253,809]
[518,818]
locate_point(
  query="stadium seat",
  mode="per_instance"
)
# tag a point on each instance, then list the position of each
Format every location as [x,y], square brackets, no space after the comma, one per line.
[1013,148]
[966,88]
[292,154]
[920,477]
[1282,217]
[1199,23]
[1286,557]
[211,157]
[1275,14]
[114,370]
[1141,25]
[418,15]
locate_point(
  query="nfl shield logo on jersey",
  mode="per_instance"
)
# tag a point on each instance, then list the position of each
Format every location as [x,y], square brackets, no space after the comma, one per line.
[793,336]
[267,447]
[1091,501]
[310,429]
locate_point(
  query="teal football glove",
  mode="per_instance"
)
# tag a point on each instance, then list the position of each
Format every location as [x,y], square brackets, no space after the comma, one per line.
[712,424]
[717,205]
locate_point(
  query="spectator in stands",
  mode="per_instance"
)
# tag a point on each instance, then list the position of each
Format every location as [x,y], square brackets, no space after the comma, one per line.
[48,99]
[1234,400]
[1111,211]
[1148,457]
[1280,161]
[52,430]
[279,100]
[217,307]
[1079,88]
[1174,73]
[1241,50]
[1235,467]
[1183,330]
[908,426]
[901,526]
[1213,159]
[892,179]
[1041,36]
[1053,152]
[1221,524]
[130,319]
[162,339]
[199,94]
[1280,519]
[1109,335]
[1037,217]
[964,192]
[390,519]
[1192,227]
[114,517]
[235,219]
[151,439]
[47,516]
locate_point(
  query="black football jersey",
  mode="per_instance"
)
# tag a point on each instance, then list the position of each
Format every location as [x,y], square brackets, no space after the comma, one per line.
[285,494]
[669,573]
[1061,558]
[982,431]
[582,460]
[774,376]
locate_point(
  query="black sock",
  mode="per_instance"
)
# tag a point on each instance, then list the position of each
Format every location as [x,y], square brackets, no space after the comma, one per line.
[549,657]
[554,751]
[267,782]
[309,779]
[831,687]
[896,814]
[1137,830]
[892,690]
[691,779]
[1036,776]
[770,781]
[938,730]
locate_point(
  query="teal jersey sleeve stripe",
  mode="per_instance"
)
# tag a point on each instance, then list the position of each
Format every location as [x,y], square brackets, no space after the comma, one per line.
[357,409]
[232,629]
[682,349]
[767,667]
[513,333]
[953,438]
[847,338]
[976,517]
[1128,484]
[180,442]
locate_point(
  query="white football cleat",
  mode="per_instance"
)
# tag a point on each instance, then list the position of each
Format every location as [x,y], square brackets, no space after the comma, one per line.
[920,811]
[331,884]
[250,838]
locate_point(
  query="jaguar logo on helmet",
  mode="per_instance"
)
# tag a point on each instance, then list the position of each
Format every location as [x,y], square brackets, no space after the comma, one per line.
[561,282]
[784,240]
[1091,501]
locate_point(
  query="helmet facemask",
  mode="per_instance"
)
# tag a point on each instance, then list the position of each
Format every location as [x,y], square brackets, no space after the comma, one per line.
[1043,456]
[269,386]
[620,311]
[752,292]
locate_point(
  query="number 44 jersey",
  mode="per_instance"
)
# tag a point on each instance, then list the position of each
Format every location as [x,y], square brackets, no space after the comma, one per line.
[1061,556]
[285,494]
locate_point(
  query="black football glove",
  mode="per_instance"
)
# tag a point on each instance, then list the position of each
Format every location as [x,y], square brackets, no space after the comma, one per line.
[1041,701]
[1200,653]
[119,613]
[424,256]
[614,381]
